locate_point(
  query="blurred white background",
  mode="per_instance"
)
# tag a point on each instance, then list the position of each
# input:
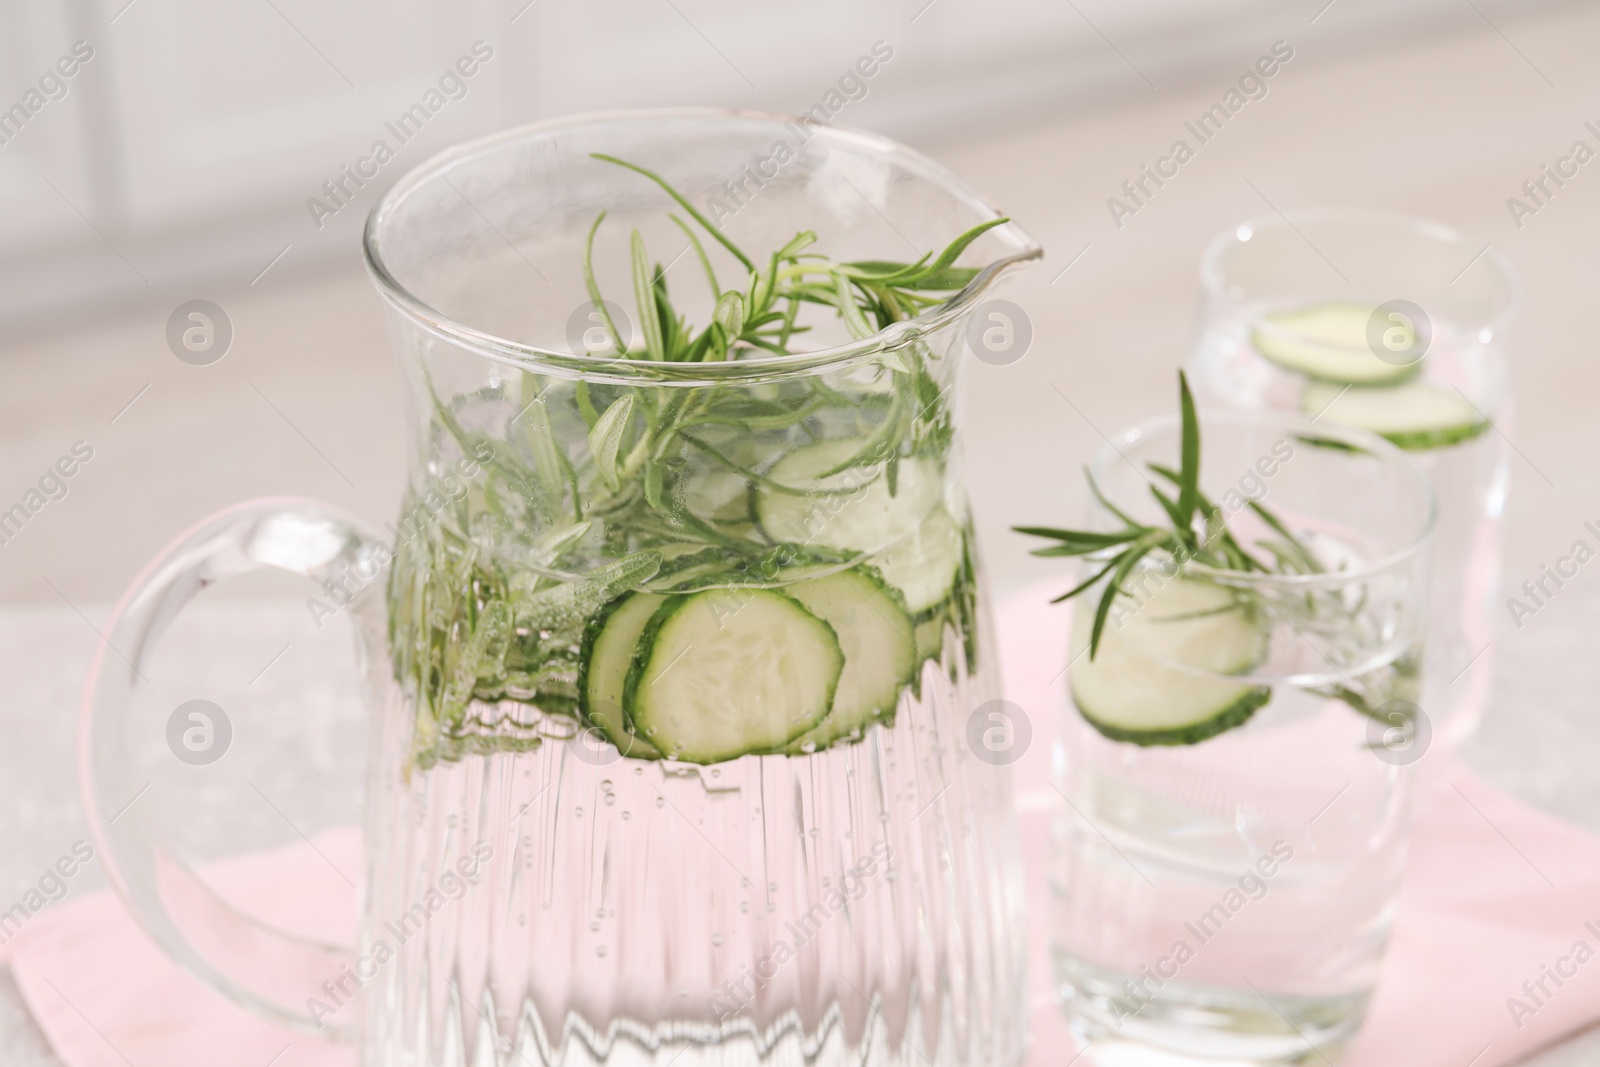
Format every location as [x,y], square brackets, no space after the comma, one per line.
[192,138]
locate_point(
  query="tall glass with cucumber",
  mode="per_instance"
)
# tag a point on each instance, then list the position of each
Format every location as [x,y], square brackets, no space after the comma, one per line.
[684,614]
[1400,327]
[1248,631]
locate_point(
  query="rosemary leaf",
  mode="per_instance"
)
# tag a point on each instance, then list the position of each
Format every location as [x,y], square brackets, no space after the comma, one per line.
[1305,556]
[1175,513]
[1086,583]
[533,425]
[644,295]
[1094,487]
[605,440]
[853,319]
[1189,468]
[593,287]
[690,208]
[700,254]
[586,405]
[1125,564]
[729,313]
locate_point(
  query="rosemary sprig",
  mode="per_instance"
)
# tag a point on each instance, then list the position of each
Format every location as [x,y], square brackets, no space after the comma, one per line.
[1198,531]
[641,433]
[868,295]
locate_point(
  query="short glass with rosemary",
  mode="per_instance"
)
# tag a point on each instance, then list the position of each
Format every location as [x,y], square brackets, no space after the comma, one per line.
[686,625]
[1234,766]
[1398,326]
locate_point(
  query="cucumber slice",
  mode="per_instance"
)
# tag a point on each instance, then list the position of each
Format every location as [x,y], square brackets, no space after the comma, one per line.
[1327,341]
[930,636]
[852,509]
[1416,416]
[716,496]
[728,672]
[923,564]
[880,652]
[1129,693]
[608,646]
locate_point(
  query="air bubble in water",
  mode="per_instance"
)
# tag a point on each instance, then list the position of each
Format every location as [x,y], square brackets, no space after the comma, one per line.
[578,812]
[716,939]
[600,950]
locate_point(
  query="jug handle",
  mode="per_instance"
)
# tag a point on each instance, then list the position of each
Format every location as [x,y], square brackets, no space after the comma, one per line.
[266,970]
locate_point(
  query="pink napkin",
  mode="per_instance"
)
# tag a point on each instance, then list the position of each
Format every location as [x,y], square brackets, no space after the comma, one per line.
[106,996]
[1495,893]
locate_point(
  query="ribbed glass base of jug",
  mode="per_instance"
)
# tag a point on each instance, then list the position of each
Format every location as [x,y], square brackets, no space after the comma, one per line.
[566,906]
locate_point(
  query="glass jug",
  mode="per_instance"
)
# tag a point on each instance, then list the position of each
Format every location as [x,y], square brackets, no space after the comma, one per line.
[674,669]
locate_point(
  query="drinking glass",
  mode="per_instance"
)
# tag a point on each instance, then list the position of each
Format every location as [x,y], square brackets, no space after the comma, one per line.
[1433,317]
[669,665]
[1234,763]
